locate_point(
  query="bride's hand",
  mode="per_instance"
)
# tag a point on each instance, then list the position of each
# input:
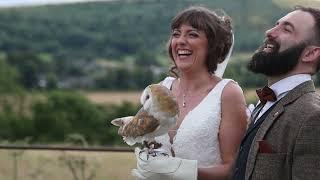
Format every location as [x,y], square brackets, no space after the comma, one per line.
[163,167]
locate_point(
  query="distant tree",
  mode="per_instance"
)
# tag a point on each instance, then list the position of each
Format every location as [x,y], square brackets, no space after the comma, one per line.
[8,77]
[14,126]
[30,66]
[238,71]
[65,113]
[143,76]
[145,59]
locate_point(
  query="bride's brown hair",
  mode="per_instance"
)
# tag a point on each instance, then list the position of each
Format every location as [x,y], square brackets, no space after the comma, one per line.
[217,28]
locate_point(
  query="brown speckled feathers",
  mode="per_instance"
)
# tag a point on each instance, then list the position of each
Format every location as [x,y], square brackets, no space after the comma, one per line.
[141,124]
[165,98]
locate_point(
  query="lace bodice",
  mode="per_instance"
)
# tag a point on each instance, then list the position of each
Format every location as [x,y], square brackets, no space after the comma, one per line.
[197,136]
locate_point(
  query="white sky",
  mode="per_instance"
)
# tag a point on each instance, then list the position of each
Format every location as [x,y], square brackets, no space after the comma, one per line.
[13,3]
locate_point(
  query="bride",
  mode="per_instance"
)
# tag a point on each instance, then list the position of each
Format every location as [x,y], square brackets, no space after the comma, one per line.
[212,119]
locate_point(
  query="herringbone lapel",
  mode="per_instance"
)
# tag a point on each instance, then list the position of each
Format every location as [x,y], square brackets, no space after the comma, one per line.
[271,118]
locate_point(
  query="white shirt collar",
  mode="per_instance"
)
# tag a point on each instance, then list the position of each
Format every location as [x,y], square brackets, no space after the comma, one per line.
[282,87]
[288,83]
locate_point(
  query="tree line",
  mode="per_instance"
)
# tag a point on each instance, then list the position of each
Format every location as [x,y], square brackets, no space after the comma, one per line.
[109,45]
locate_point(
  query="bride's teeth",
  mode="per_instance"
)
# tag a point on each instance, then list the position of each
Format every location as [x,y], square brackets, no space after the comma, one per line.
[184,52]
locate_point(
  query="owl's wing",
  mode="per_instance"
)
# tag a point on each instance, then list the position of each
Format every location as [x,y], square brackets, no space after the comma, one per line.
[121,121]
[141,124]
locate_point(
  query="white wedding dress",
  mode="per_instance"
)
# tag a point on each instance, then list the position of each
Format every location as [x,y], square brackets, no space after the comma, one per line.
[197,136]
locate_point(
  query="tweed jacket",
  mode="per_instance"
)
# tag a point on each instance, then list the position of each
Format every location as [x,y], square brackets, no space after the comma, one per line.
[292,131]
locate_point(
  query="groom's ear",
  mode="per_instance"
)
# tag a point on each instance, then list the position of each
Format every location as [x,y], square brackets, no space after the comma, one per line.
[311,54]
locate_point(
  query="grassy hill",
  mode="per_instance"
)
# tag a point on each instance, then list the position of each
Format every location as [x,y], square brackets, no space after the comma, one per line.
[67,46]
[120,28]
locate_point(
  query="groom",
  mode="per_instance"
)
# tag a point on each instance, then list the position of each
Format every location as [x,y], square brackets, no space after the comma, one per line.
[283,139]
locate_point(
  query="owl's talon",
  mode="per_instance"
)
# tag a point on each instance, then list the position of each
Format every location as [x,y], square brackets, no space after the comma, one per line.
[143,150]
[154,145]
[165,154]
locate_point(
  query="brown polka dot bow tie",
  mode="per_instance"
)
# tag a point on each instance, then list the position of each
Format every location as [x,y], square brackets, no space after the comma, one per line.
[266,94]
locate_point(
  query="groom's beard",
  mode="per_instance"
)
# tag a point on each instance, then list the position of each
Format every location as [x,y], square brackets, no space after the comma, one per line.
[275,63]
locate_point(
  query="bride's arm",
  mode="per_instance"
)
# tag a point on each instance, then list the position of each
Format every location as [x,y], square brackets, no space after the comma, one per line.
[232,129]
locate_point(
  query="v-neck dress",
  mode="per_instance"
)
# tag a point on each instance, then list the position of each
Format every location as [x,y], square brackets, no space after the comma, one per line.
[197,136]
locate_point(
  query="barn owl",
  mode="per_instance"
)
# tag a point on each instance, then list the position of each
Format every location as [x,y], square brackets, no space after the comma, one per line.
[158,113]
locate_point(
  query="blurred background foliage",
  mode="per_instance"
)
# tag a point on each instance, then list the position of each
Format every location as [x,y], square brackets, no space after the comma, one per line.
[51,55]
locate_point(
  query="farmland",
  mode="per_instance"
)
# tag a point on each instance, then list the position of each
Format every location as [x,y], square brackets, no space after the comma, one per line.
[113,97]
[52,165]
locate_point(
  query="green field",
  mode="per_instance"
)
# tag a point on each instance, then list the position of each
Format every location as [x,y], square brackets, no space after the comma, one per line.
[57,165]
[111,97]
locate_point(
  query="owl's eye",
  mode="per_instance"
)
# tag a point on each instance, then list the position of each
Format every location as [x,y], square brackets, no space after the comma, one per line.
[147,97]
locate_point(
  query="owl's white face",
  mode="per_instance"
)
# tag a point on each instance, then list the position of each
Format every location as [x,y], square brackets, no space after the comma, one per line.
[159,101]
[146,98]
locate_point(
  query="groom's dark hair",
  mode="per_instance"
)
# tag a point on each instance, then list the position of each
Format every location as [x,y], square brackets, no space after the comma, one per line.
[315,39]
[315,13]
